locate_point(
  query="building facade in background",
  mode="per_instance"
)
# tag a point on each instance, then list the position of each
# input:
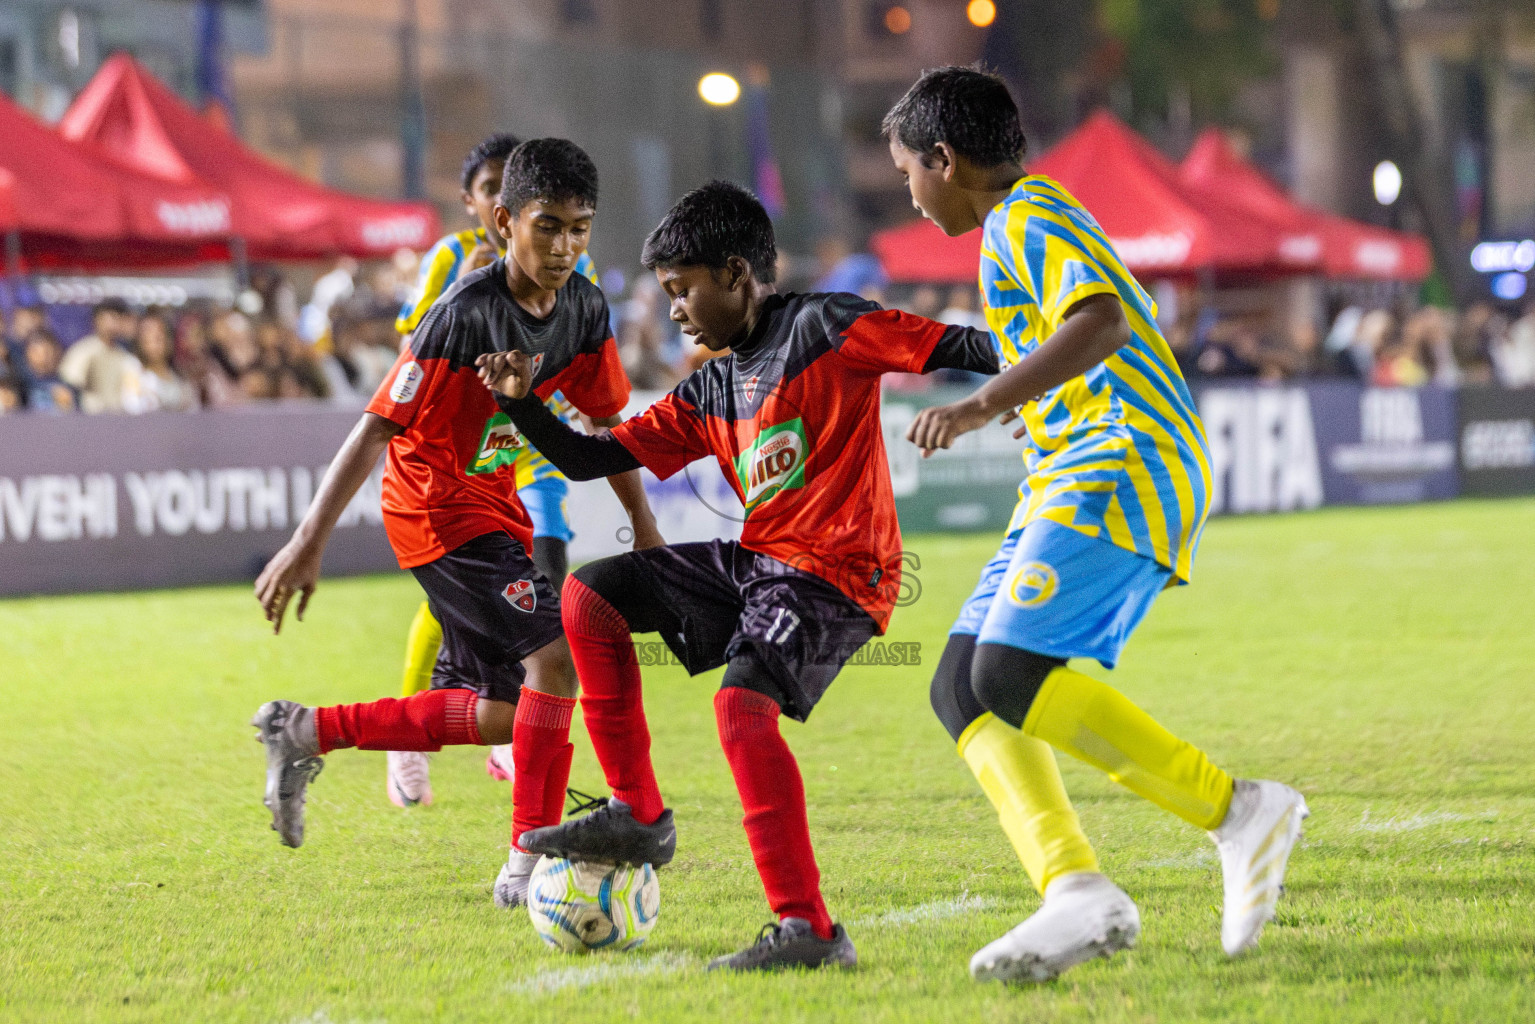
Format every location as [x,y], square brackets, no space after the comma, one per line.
[49,50]
[383,97]
[331,95]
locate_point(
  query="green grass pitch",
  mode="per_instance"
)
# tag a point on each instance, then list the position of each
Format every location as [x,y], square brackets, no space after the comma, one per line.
[1381,660]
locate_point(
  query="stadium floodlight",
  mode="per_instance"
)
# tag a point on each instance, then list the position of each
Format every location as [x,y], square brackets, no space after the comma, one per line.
[981,12]
[897,20]
[719,89]
[1388,182]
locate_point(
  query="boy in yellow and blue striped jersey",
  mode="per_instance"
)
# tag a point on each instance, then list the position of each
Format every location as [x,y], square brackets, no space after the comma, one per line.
[1109,515]
[540,486]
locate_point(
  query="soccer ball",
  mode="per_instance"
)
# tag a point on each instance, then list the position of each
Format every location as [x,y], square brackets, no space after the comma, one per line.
[580,906]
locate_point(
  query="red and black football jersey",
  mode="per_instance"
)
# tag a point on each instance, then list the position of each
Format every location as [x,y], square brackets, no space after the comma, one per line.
[449,477]
[792,415]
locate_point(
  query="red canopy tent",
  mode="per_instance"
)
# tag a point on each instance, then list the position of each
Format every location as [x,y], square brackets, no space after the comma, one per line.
[1335,245]
[1159,227]
[7,204]
[75,205]
[919,253]
[278,214]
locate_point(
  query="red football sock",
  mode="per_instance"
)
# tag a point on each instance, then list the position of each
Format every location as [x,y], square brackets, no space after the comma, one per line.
[610,697]
[773,796]
[429,720]
[541,750]
[555,781]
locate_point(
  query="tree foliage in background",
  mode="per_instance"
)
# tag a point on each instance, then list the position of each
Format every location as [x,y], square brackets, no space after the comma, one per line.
[1151,60]
[1204,50]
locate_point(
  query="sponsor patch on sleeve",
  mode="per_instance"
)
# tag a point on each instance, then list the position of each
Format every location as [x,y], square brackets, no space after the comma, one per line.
[406,382]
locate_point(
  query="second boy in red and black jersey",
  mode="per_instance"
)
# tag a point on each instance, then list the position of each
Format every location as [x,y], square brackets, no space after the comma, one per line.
[451,510]
[449,496]
[792,416]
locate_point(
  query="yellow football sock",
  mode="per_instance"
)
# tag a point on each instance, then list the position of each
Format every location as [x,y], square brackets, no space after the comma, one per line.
[1096,723]
[421,645]
[1023,783]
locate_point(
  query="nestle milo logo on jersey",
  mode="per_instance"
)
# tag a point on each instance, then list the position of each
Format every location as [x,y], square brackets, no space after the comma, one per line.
[775,462]
[499,446]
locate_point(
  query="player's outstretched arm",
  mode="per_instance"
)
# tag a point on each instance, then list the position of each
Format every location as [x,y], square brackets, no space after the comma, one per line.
[577,455]
[1093,330]
[296,568]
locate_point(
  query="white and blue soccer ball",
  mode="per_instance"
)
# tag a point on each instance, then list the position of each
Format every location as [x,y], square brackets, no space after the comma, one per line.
[581,906]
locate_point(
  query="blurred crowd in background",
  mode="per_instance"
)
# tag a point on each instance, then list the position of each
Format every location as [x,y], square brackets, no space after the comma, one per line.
[337,344]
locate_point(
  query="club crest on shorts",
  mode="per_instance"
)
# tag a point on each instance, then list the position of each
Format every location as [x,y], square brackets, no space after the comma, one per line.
[521,595]
[1034,584]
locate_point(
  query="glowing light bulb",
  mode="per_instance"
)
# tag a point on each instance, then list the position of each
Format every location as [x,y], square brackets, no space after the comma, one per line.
[1388,182]
[719,89]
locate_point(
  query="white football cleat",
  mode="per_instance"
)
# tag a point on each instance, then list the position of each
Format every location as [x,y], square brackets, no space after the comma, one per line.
[498,763]
[409,781]
[1084,916]
[1255,840]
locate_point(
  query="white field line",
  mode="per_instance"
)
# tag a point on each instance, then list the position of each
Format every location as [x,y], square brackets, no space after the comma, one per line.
[1418,821]
[935,911]
[561,979]
[1199,859]
[321,1017]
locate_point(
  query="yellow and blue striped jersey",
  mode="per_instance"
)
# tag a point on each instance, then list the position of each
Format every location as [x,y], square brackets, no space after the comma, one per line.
[1117,453]
[440,267]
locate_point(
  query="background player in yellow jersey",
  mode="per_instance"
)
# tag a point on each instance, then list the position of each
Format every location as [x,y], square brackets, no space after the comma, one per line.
[1110,513]
[540,486]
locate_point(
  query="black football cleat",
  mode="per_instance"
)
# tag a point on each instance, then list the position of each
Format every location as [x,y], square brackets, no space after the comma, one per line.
[788,944]
[608,834]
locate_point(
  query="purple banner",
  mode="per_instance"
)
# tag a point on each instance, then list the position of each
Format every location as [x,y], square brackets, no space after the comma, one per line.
[1277,449]
[124,502]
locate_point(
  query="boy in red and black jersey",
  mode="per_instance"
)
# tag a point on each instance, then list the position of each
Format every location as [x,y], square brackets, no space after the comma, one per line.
[792,416]
[451,510]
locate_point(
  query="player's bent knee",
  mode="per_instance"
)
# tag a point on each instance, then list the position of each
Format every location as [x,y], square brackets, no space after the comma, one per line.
[626,583]
[1005,680]
[550,670]
[953,702]
[496,721]
[607,577]
[746,671]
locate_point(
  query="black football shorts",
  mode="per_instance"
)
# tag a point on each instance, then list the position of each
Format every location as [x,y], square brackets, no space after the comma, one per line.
[495,608]
[713,600]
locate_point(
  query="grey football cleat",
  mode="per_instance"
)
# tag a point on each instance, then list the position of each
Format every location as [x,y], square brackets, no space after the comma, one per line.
[511,888]
[608,834]
[790,943]
[292,762]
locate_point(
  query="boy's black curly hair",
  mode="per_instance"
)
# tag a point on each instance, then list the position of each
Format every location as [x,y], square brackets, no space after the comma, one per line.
[968,108]
[552,169]
[493,147]
[711,224]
